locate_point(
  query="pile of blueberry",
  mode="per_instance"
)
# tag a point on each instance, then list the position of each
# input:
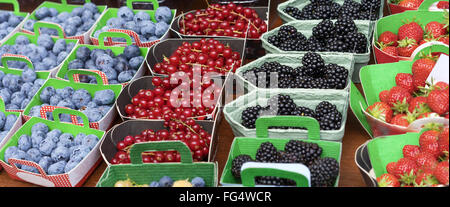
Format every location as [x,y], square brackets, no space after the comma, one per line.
[45,55]
[6,123]
[95,108]
[75,23]
[117,68]
[140,23]
[17,90]
[8,21]
[56,152]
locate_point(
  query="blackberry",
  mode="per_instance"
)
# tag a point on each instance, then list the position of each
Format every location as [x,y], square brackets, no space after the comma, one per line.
[313,44]
[336,76]
[328,116]
[356,41]
[286,31]
[367,15]
[293,12]
[249,116]
[237,163]
[336,44]
[324,12]
[313,63]
[304,111]
[308,152]
[324,172]
[267,152]
[325,29]
[320,2]
[345,25]
[283,104]
[289,157]
[372,6]
[271,180]
[350,9]
[274,40]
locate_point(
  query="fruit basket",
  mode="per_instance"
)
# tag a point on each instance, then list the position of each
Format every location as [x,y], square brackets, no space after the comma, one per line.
[161,53]
[246,154]
[307,103]
[25,167]
[119,74]
[101,115]
[40,54]
[285,17]
[144,173]
[374,157]
[393,23]
[434,5]
[19,85]
[9,29]
[397,6]
[372,86]
[10,122]
[60,13]
[294,62]
[106,24]
[134,93]
[137,131]
[361,59]
[253,32]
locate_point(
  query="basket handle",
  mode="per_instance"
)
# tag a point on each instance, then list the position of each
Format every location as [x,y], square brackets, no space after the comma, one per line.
[311,124]
[130,33]
[2,105]
[297,172]
[46,109]
[13,162]
[101,37]
[64,2]
[74,77]
[73,114]
[425,5]
[15,4]
[13,57]
[137,150]
[154,2]
[50,25]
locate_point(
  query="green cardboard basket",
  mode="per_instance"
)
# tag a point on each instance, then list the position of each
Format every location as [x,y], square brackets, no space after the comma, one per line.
[308,98]
[112,12]
[294,60]
[106,121]
[427,4]
[249,146]
[16,11]
[305,27]
[376,78]
[16,125]
[76,176]
[65,7]
[116,50]
[142,173]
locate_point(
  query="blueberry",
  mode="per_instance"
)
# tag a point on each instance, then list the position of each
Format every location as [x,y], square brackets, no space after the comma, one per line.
[83,53]
[12,106]
[110,73]
[90,64]
[121,66]
[90,141]
[125,76]
[115,23]
[29,168]
[4,15]
[41,13]
[22,40]
[46,41]
[29,75]
[2,119]
[61,57]
[54,100]
[60,46]
[12,82]
[163,14]
[104,61]
[20,155]
[91,7]
[25,103]
[79,153]
[141,16]
[81,98]
[104,109]
[66,103]
[136,62]
[198,182]
[65,92]
[5,93]
[96,53]
[36,139]
[35,154]
[24,142]
[154,184]
[46,93]
[166,181]
[13,21]
[87,25]
[161,28]
[131,51]
[63,16]
[74,21]
[131,25]
[69,47]
[87,15]
[60,153]
[17,98]
[53,12]
[54,135]
[46,146]
[9,152]
[35,111]
[70,165]
[125,13]
[33,91]
[77,11]
[79,139]
[3,135]
[76,64]
[45,162]
[10,121]
[57,168]
[39,127]
[148,28]
[93,114]
[104,97]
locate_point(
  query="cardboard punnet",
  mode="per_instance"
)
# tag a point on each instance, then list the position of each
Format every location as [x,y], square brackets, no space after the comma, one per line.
[430,5]
[263,13]
[168,47]
[250,145]
[107,119]
[143,68]
[145,173]
[112,13]
[426,5]
[294,61]
[16,11]
[33,40]
[16,125]
[307,98]
[376,78]
[64,7]
[393,23]
[134,127]
[305,27]
[75,177]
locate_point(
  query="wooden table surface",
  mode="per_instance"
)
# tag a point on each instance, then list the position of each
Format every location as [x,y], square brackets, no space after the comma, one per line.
[354,133]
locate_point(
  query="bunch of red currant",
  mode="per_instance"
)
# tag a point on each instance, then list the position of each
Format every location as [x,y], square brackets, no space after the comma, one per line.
[168,99]
[179,128]
[223,20]
[209,55]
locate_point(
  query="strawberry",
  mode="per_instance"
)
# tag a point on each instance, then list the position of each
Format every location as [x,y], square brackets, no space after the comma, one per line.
[410,4]
[389,48]
[410,30]
[381,111]
[384,96]
[441,172]
[388,180]
[428,136]
[444,39]
[401,120]
[435,29]
[427,39]
[443,142]
[406,169]
[399,99]
[406,81]
[442,5]
[390,168]
[441,86]
[406,47]
[426,161]
[422,68]
[411,151]
[388,38]
[425,179]
[431,147]
[438,101]
[419,105]
[428,115]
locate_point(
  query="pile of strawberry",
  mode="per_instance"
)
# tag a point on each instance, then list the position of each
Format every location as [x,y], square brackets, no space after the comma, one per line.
[410,4]
[423,165]
[410,100]
[411,35]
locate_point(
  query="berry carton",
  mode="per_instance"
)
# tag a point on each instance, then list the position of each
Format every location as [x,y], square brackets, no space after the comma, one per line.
[22,15]
[294,171]
[395,7]
[145,173]
[13,123]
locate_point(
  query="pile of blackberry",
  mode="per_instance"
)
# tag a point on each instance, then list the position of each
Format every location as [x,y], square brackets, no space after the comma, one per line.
[324,170]
[328,9]
[340,36]
[313,74]
[325,112]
